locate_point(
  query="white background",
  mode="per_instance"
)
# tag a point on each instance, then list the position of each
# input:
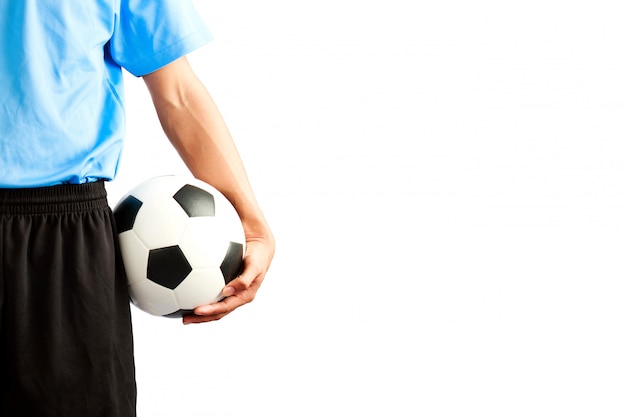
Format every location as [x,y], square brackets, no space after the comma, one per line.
[447,185]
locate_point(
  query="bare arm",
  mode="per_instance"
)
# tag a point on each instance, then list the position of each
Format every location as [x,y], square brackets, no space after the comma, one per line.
[196,129]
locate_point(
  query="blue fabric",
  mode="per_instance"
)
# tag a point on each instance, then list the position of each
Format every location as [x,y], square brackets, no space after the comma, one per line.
[61,80]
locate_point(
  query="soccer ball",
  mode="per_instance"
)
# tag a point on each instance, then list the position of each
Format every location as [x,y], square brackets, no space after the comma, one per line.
[181,242]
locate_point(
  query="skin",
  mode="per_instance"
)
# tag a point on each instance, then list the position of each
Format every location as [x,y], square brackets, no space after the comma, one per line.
[194,125]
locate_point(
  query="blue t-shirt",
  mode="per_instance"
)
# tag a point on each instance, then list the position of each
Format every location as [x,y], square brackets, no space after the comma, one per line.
[61,90]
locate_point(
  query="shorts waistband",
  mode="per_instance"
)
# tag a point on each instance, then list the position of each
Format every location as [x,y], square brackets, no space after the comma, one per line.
[62,198]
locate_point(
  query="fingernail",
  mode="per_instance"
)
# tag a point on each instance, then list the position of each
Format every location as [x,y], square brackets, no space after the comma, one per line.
[228,291]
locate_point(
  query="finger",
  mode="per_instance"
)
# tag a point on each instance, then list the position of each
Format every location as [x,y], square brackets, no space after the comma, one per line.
[194,318]
[220,308]
[242,282]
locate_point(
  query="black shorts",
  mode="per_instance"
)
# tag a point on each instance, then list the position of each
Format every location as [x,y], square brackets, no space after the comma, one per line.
[66,345]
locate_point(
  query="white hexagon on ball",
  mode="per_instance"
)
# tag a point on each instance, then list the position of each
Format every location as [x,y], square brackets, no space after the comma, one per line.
[135,265]
[202,286]
[153,298]
[150,228]
[204,242]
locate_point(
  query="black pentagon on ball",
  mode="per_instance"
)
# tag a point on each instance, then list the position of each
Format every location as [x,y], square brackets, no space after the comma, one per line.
[195,201]
[126,213]
[168,266]
[233,262]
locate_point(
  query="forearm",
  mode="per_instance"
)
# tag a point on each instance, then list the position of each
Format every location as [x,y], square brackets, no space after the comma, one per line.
[195,127]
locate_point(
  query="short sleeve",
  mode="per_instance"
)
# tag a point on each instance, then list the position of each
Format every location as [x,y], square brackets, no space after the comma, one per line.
[150,34]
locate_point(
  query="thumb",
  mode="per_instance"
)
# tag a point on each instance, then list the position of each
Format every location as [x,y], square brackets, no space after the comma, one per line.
[241,283]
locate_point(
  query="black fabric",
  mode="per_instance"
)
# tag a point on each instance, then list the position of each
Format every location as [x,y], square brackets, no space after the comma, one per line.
[65,335]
